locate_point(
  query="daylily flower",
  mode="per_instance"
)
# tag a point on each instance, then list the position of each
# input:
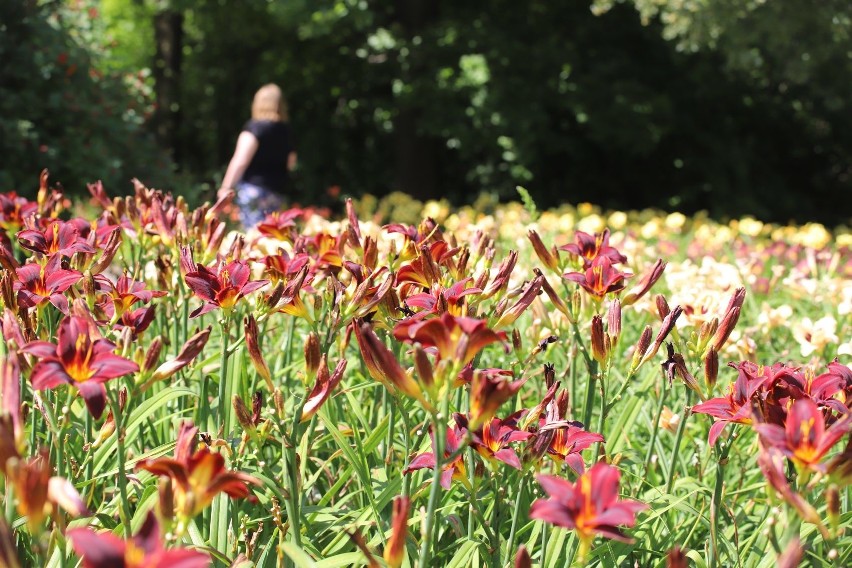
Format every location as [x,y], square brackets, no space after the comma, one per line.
[734,407]
[590,247]
[456,338]
[197,475]
[488,391]
[569,439]
[39,493]
[280,224]
[58,237]
[804,438]
[646,283]
[145,549]
[124,294]
[81,358]
[451,470]
[590,506]
[600,278]
[532,290]
[771,462]
[493,439]
[14,210]
[221,288]
[38,285]
[395,548]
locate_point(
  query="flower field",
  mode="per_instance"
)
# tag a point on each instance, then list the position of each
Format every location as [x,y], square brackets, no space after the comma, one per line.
[556,389]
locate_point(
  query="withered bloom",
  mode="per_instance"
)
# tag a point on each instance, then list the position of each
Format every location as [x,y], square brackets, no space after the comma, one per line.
[325,384]
[509,316]
[381,363]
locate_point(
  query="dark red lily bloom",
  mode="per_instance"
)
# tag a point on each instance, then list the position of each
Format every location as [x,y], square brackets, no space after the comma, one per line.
[771,462]
[493,439]
[804,438]
[124,294]
[451,470]
[144,549]
[442,299]
[222,288]
[589,247]
[14,210]
[569,439]
[590,506]
[600,278]
[383,366]
[280,224]
[455,338]
[59,237]
[488,391]
[197,475]
[734,407]
[38,285]
[647,282]
[82,358]
[530,293]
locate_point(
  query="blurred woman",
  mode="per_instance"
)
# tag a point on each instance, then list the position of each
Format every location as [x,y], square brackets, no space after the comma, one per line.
[259,170]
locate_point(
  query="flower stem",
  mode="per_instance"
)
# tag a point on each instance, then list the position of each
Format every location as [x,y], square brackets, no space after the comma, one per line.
[440,435]
[124,506]
[676,449]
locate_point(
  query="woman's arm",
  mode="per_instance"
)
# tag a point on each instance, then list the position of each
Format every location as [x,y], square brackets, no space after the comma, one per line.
[291,161]
[246,148]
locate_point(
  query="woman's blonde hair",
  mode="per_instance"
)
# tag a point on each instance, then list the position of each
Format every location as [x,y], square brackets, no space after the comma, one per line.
[269,104]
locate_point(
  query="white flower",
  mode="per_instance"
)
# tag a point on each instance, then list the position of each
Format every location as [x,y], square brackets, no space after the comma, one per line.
[814,336]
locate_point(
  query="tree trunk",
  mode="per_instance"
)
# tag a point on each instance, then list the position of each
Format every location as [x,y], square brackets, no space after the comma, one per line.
[415,152]
[168,37]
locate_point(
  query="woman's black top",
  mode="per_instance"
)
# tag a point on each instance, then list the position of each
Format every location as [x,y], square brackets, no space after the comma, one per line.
[268,167]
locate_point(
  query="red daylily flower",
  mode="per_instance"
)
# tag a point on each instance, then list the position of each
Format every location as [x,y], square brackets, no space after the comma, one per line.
[600,278]
[493,439]
[804,438]
[569,439]
[39,492]
[442,299]
[488,391]
[451,470]
[222,288]
[14,210]
[280,224]
[143,550]
[590,506]
[124,294]
[734,407]
[590,247]
[197,475]
[455,338]
[82,358]
[38,285]
[59,237]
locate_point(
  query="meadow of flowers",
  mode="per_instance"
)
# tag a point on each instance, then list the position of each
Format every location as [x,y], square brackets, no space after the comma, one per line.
[556,389]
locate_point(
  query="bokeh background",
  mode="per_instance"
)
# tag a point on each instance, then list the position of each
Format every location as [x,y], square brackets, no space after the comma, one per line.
[728,106]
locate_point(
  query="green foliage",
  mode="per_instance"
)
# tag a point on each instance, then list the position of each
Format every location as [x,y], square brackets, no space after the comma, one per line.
[60,110]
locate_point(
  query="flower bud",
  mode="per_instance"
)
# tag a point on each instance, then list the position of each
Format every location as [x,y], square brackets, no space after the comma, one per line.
[641,347]
[152,356]
[166,499]
[424,367]
[599,347]
[517,344]
[548,258]
[662,306]
[312,356]
[549,374]
[711,368]
[613,323]
[242,412]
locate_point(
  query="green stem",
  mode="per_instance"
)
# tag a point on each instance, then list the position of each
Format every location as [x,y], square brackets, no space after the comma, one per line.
[219,513]
[676,449]
[715,503]
[516,512]
[655,427]
[124,506]
[440,435]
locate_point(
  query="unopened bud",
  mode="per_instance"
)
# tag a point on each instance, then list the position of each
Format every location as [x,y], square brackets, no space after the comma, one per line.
[423,366]
[547,258]
[549,374]
[152,357]
[662,306]
[312,356]
[832,503]
[711,368]
[599,350]
[517,344]
[166,501]
[613,322]
[278,399]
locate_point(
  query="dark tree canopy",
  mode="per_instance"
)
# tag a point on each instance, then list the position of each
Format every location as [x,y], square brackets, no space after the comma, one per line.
[739,108]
